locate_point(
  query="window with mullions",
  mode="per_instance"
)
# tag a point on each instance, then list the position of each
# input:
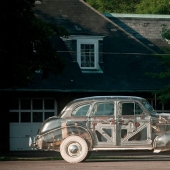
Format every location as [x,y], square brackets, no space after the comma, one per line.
[31,110]
[87,55]
[87,51]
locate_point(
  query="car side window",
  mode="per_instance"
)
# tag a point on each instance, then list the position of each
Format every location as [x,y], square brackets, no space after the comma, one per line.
[81,110]
[103,109]
[127,108]
[130,108]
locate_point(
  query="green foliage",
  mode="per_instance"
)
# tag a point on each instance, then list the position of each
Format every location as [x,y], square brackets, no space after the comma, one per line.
[164,94]
[153,7]
[25,45]
[132,6]
[114,6]
[165,32]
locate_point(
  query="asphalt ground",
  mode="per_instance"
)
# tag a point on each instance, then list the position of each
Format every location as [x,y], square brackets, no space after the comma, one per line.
[52,155]
[87,165]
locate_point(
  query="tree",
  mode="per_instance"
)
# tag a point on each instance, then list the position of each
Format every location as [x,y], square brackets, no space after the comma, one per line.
[25,44]
[114,6]
[164,93]
[153,7]
[132,6]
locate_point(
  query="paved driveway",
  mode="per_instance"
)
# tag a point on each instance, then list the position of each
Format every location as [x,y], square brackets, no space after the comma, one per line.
[88,165]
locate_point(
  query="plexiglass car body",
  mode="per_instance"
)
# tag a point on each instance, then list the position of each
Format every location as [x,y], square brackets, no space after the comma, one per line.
[104,123]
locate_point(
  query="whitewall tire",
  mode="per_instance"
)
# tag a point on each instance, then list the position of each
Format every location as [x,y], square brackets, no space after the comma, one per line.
[74,149]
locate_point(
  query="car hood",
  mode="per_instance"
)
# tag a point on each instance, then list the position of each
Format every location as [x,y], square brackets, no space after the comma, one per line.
[50,124]
[163,114]
[163,117]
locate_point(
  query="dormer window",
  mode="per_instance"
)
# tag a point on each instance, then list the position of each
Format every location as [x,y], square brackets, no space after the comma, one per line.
[86,51]
[87,54]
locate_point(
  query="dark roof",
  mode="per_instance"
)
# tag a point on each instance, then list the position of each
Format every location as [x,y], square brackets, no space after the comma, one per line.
[126,59]
[80,18]
[120,74]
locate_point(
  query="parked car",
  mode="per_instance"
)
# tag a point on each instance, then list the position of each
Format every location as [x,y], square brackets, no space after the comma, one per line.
[104,123]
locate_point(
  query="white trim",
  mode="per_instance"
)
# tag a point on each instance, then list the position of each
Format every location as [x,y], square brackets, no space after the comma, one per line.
[96,52]
[118,15]
[31,110]
[99,70]
[77,37]
[87,39]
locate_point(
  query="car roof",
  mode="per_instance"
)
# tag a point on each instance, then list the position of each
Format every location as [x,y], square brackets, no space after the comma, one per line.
[99,98]
[92,99]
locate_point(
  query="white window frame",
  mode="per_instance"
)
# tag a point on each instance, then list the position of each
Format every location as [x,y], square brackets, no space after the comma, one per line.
[87,39]
[31,110]
[96,52]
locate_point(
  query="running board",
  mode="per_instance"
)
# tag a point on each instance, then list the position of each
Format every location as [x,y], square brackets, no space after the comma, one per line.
[144,148]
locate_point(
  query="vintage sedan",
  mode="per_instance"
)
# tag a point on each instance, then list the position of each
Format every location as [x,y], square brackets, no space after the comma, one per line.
[104,123]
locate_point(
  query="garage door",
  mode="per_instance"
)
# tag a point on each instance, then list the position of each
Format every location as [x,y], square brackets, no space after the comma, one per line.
[26,116]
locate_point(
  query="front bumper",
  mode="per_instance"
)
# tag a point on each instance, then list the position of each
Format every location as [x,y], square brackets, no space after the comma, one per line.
[35,144]
[32,143]
[38,143]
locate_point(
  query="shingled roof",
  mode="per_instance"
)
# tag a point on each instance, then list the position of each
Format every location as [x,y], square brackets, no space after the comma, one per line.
[126,59]
[81,19]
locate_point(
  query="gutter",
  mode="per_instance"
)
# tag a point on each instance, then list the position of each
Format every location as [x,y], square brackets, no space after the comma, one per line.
[74,90]
[142,16]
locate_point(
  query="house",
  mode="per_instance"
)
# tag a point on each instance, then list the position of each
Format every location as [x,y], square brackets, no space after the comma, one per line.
[105,54]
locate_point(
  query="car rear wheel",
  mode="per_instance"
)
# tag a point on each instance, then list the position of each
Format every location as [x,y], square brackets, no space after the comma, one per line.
[74,149]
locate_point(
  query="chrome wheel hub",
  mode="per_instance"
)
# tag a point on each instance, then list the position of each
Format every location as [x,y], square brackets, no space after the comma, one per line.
[74,149]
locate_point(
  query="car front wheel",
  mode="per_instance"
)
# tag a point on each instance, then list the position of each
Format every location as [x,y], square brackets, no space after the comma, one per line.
[74,149]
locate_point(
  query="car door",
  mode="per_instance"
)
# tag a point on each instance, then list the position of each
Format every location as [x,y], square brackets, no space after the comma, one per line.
[102,124]
[135,128]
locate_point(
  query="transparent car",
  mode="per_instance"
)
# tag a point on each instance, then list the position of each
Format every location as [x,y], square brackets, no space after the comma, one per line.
[104,123]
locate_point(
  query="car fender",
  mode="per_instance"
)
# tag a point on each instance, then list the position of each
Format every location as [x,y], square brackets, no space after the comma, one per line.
[162,142]
[52,139]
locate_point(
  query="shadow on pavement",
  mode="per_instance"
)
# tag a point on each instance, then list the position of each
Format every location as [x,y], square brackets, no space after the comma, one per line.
[127,154]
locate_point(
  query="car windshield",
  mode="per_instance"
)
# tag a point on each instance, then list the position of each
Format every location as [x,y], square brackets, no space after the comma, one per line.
[65,108]
[148,107]
[61,113]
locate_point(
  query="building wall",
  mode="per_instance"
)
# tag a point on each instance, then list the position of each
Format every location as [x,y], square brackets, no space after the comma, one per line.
[143,26]
[4,122]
